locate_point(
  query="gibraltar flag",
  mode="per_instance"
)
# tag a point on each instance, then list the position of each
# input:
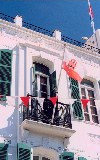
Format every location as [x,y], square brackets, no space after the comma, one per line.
[73,67]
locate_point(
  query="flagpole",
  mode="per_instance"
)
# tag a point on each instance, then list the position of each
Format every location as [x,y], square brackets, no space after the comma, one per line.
[59,80]
[61,65]
[92,23]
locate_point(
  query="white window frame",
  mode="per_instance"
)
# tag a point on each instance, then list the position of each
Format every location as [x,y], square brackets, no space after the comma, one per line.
[88,105]
[38,83]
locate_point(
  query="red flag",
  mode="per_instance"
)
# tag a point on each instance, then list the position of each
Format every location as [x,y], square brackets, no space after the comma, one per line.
[91,12]
[85,102]
[53,100]
[25,100]
[70,70]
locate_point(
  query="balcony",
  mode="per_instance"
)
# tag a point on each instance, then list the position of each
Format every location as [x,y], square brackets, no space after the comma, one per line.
[48,119]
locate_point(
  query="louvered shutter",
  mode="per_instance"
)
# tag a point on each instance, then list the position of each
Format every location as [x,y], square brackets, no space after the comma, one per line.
[5,71]
[34,82]
[23,152]
[75,94]
[81,158]
[3,151]
[66,156]
[53,84]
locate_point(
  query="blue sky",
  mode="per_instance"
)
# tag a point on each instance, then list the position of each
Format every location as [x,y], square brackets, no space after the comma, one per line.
[69,16]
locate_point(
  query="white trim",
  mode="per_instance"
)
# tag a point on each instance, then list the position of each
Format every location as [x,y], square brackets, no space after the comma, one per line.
[88,105]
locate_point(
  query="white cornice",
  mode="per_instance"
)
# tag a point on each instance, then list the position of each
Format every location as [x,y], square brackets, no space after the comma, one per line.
[50,42]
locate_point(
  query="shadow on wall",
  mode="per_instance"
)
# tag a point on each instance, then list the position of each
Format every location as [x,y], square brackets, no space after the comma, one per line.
[9,123]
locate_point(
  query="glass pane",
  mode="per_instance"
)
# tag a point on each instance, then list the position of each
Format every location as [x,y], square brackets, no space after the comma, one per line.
[93,110]
[95,119]
[43,158]
[87,118]
[85,109]
[43,88]
[43,95]
[90,93]
[43,80]
[92,102]
[83,92]
[87,82]
[35,157]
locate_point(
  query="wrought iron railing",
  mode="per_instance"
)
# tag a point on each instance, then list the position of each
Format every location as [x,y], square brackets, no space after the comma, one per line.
[50,33]
[37,29]
[59,116]
[6,17]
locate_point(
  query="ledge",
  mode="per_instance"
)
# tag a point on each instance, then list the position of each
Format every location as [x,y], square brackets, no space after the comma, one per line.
[47,129]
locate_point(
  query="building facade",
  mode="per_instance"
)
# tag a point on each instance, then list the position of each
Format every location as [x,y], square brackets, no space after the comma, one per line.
[30,65]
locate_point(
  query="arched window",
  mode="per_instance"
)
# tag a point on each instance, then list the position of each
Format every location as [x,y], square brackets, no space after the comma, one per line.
[44,83]
[88,92]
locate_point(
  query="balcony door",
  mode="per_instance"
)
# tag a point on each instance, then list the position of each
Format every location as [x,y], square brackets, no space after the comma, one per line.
[44,83]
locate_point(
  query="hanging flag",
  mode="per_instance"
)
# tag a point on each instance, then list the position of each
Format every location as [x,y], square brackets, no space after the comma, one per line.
[85,102]
[91,12]
[53,100]
[74,69]
[73,66]
[25,101]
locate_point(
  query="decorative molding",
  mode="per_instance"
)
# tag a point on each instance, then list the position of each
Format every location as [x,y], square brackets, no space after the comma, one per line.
[41,39]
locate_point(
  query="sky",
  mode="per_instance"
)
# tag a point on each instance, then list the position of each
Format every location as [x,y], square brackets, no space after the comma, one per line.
[68,16]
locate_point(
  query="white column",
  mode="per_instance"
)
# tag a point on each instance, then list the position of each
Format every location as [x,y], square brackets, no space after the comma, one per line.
[29,70]
[97,90]
[22,72]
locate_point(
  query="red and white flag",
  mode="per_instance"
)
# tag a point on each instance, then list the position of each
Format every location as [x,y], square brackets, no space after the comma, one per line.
[73,67]
[91,12]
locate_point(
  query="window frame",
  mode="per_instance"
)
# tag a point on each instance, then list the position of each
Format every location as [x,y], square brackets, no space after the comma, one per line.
[38,82]
[87,87]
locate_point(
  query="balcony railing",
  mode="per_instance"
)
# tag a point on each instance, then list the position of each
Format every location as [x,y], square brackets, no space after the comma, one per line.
[50,33]
[58,115]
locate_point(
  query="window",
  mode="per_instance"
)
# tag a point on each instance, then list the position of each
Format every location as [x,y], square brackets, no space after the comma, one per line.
[3,151]
[5,71]
[40,158]
[87,92]
[44,83]
[75,94]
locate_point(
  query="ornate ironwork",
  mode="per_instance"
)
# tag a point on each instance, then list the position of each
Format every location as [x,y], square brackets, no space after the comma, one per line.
[37,29]
[6,17]
[50,33]
[80,44]
[46,114]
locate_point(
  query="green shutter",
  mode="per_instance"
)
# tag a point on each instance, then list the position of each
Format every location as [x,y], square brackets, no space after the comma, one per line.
[53,84]
[34,83]
[66,156]
[5,71]
[81,158]
[75,94]
[3,151]
[23,152]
